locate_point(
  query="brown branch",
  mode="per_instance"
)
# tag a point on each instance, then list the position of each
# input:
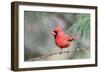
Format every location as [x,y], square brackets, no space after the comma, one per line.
[45,56]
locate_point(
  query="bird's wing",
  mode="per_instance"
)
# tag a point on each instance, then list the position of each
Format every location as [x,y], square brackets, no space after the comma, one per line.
[67,37]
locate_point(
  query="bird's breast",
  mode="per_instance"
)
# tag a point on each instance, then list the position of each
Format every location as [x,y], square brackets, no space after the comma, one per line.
[62,43]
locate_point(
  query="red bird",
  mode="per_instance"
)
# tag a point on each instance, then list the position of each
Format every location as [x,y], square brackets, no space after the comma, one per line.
[62,40]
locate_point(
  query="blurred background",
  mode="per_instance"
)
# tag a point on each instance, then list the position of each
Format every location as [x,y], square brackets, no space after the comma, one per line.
[39,41]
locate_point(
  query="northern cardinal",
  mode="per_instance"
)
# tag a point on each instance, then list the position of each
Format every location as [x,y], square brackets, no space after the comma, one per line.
[62,40]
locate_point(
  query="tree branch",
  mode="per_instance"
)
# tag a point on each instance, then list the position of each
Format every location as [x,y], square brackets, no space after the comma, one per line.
[45,56]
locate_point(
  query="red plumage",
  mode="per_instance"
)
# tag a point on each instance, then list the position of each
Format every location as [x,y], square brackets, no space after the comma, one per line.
[62,40]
